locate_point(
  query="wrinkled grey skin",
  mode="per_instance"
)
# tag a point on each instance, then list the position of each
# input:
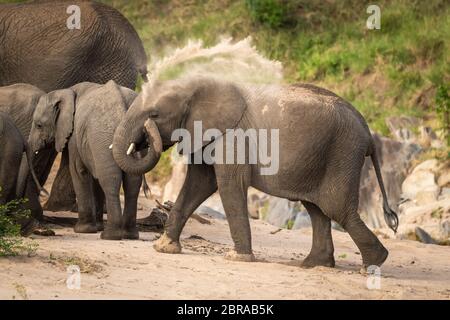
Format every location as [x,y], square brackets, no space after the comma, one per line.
[19,102]
[82,119]
[323,141]
[36,47]
[13,146]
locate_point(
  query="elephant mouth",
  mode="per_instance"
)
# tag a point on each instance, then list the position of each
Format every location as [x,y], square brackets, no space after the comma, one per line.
[43,146]
[141,145]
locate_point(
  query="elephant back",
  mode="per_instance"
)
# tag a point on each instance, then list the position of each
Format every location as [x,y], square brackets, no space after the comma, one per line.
[103,106]
[19,101]
[105,47]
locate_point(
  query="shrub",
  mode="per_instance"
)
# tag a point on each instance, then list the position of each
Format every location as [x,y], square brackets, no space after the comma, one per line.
[11,243]
[443,109]
[273,13]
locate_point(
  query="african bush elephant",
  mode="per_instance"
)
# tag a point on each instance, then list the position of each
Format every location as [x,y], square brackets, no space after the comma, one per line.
[13,145]
[19,102]
[83,119]
[41,45]
[322,143]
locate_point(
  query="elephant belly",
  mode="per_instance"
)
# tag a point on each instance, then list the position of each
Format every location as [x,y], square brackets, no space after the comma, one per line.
[295,184]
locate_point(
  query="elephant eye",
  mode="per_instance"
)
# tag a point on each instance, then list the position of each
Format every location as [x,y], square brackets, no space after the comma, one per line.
[153,114]
[38,126]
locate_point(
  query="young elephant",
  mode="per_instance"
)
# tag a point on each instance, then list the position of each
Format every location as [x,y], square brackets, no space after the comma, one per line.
[13,146]
[323,141]
[83,119]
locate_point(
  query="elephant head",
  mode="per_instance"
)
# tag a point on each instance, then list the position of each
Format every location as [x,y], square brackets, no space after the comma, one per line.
[53,120]
[166,106]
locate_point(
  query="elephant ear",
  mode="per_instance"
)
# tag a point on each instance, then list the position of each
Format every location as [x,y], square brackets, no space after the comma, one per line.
[220,107]
[64,104]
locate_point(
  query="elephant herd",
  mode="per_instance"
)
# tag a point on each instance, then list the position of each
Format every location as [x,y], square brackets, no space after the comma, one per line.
[76,97]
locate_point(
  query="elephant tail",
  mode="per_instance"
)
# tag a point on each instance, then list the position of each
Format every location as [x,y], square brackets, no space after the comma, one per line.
[390,216]
[145,187]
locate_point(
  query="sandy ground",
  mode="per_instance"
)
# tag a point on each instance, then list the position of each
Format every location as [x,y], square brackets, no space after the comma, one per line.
[133,270]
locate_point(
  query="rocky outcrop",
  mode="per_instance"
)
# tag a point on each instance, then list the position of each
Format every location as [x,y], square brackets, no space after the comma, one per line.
[395,159]
[421,184]
[404,128]
[426,206]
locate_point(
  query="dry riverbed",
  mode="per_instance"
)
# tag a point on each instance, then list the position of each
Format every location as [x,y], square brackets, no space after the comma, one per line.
[133,270]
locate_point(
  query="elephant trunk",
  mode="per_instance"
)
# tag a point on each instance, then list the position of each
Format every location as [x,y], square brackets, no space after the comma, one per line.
[24,172]
[126,137]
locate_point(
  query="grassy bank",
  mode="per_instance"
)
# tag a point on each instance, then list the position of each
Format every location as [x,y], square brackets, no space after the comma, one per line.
[395,70]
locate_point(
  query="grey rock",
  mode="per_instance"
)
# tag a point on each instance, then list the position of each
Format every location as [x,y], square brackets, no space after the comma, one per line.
[445,193]
[445,229]
[210,212]
[337,226]
[423,236]
[280,212]
[402,127]
[302,220]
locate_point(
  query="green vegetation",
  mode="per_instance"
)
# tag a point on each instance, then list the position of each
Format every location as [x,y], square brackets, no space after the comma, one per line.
[163,169]
[443,109]
[272,13]
[392,71]
[11,243]
[290,224]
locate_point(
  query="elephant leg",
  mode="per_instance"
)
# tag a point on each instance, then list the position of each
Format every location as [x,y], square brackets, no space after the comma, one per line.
[99,197]
[83,184]
[33,204]
[233,193]
[200,183]
[372,251]
[110,183]
[8,183]
[322,243]
[131,188]
[62,195]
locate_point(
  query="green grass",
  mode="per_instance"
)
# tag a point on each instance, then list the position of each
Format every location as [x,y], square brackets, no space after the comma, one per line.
[382,72]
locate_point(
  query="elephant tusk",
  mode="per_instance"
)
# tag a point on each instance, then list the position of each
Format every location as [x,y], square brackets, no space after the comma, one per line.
[110,147]
[131,149]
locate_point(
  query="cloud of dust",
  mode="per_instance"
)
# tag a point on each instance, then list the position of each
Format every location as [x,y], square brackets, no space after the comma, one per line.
[238,62]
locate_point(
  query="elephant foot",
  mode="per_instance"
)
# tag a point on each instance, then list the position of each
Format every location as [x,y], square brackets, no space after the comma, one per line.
[375,257]
[232,255]
[166,245]
[111,234]
[131,233]
[85,228]
[316,260]
[28,226]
